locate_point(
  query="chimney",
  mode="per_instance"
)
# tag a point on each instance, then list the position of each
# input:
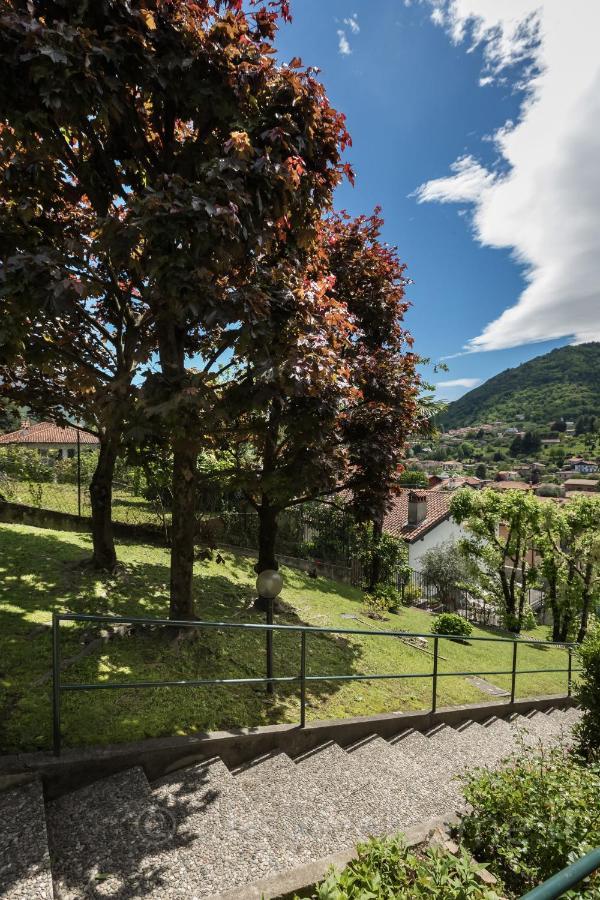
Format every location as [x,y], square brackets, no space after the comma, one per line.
[25,423]
[417,508]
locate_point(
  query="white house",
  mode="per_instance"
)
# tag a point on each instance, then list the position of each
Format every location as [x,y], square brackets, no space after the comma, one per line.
[422,518]
[52,441]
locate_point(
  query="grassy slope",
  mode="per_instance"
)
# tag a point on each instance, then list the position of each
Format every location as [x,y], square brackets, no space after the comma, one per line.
[41,571]
[63,498]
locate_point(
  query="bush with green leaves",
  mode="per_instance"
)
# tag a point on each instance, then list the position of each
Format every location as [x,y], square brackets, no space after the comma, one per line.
[382,600]
[451,623]
[411,594]
[386,869]
[533,816]
[391,553]
[588,691]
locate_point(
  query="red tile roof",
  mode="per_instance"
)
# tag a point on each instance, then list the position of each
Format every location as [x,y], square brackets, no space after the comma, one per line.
[396,521]
[47,433]
[510,486]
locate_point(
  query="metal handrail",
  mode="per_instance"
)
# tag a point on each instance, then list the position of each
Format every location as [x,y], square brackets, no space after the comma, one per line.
[566,879]
[302,678]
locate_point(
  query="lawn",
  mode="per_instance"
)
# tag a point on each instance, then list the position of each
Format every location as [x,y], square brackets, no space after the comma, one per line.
[127,507]
[43,570]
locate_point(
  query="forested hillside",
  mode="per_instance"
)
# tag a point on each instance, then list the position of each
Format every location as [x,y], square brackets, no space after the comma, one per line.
[562,383]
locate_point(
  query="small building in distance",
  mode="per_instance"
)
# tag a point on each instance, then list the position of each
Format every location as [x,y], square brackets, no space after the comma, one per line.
[52,441]
[580,485]
[583,466]
[422,519]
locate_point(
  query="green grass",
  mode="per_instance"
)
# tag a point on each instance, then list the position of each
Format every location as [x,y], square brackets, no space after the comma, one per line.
[42,571]
[127,507]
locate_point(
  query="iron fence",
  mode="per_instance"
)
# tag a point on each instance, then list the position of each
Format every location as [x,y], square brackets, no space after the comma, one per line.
[460,601]
[303,677]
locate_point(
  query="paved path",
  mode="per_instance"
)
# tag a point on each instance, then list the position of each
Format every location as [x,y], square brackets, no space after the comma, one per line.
[205,829]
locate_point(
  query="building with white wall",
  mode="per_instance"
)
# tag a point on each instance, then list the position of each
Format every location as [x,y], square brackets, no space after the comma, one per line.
[52,441]
[422,519]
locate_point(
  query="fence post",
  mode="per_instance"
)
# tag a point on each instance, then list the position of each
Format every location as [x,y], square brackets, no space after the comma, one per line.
[514,671]
[56,683]
[570,672]
[270,685]
[78,473]
[434,675]
[303,680]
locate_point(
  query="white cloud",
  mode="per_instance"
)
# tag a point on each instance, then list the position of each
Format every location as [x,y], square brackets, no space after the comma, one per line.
[459,383]
[544,204]
[466,185]
[352,23]
[437,16]
[343,45]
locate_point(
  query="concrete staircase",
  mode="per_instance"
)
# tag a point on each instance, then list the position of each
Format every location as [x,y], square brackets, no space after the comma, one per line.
[205,829]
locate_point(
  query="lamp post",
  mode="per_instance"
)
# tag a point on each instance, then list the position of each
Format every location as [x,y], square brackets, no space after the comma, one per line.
[268,585]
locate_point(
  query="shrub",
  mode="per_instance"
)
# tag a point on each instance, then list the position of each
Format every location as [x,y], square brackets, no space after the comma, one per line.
[383,599]
[450,623]
[386,868]
[533,816]
[588,691]
[411,595]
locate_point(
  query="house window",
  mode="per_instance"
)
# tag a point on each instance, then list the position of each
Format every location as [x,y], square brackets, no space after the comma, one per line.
[70,454]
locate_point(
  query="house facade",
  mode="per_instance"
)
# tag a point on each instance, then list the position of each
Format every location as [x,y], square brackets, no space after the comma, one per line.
[52,441]
[422,519]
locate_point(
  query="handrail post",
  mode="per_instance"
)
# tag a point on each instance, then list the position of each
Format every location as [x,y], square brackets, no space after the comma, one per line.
[270,685]
[56,683]
[303,679]
[434,675]
[514,672]
[570,673]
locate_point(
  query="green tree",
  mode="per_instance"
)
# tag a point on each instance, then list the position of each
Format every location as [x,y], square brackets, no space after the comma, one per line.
[569,543]
[481,471]
[502,527]
[166,140]
[446,568]
[413,478]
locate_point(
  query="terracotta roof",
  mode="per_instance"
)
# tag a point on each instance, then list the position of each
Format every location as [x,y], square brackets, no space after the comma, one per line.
[396,521]
[47,433]
[581,482]
[510,486]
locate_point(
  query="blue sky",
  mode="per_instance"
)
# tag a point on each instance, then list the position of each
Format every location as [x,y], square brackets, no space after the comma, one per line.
[417,99]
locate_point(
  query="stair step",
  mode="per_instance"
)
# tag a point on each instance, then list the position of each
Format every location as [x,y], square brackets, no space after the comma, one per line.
[96,835]
[393,791]
[263,772]
[537,729]
[218,840]
[24,857]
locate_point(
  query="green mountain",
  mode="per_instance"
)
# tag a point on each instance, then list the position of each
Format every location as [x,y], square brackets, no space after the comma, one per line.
[564,383]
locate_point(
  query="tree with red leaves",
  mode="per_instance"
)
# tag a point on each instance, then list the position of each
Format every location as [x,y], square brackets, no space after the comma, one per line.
[155,153]
[342,388]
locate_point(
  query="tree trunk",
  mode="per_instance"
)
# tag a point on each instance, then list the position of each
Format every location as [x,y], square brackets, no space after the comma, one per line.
[183,531]
[267,537]
[586,599]
[105,556]
[375,573]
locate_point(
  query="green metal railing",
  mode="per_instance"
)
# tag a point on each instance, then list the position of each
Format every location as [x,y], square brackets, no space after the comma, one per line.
[566,879]
[302,678]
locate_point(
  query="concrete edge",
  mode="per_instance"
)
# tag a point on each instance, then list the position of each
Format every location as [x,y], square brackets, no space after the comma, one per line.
[159,756]
[305,877]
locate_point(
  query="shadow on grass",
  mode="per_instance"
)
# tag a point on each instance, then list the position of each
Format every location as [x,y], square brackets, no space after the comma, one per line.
[41,572]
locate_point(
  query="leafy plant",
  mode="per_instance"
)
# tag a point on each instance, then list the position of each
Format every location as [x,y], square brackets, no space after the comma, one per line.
[391,553]
[410,595]
[533,816]
[451,623]
[383,599]
[588,691]
[385,869]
